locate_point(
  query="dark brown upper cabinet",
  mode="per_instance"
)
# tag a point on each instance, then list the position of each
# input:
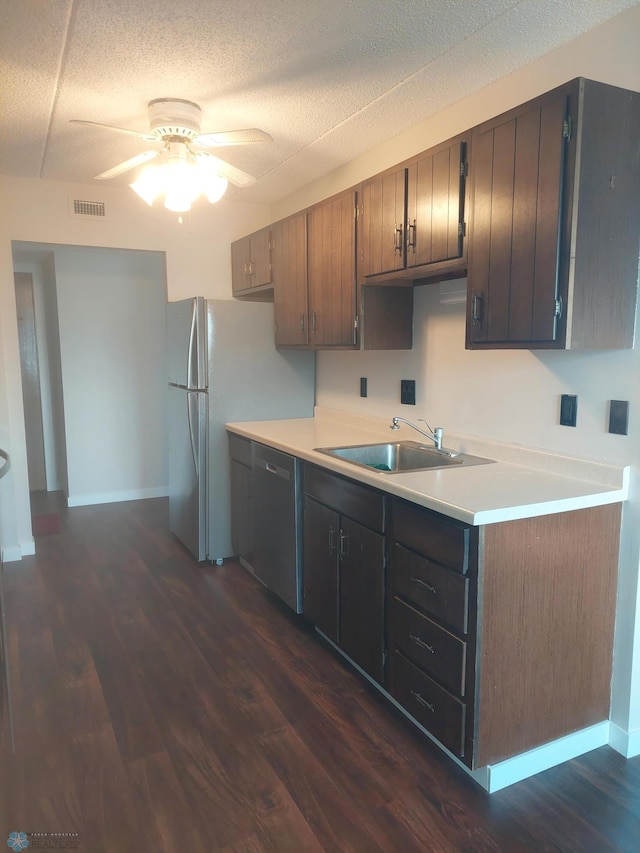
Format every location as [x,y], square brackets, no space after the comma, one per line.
[411,218]
[555,222]
[251,263]
[290,282]
[331,268]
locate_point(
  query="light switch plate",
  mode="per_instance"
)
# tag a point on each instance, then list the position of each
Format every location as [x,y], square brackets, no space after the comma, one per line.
[619,417]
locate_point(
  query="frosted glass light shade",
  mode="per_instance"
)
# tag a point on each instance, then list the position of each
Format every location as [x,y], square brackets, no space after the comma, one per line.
[181,178]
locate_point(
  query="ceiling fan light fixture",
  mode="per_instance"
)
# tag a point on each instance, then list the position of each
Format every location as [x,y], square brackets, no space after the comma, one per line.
[180,178]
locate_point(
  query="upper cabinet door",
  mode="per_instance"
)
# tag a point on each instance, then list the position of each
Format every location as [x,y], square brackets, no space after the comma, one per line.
[435,206]
[251,261]
[290,282]
[331,272]
[261,257]
[240,264]
[381,226]
[517,167]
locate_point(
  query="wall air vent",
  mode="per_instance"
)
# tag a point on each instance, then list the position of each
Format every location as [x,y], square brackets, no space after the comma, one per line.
[80,209]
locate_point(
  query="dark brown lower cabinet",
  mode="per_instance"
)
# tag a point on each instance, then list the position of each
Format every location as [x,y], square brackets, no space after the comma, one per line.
[344,566]
[495,639]
[321,528]
[490,629]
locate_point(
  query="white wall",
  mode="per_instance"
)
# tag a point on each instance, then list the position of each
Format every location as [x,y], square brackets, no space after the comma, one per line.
[511,396]
[111,313]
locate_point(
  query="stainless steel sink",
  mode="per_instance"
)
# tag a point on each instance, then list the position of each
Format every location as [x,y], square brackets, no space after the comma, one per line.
[400,456]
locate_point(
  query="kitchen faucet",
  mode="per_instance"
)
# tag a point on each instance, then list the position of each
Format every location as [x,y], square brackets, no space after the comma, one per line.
[436,435]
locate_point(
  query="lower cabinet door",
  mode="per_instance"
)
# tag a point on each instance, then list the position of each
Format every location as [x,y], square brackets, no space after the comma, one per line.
[431,705]
[320,583]
[362,596]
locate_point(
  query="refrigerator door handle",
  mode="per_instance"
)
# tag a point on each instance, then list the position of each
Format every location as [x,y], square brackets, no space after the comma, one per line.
[192,439]
[192,355]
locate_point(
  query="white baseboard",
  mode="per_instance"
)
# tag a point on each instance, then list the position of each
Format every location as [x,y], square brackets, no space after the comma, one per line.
[14,553]
[116,497]
[498,776]
[626,743]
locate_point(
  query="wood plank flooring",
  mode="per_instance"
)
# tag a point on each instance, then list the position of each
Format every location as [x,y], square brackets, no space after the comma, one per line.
[162,706]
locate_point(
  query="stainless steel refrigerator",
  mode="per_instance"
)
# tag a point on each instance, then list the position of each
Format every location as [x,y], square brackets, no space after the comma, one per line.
[223,366]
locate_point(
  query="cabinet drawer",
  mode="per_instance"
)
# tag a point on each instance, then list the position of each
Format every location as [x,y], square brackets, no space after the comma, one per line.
[360,503]
[442,539]
[431,647]
[431,705]
[431,587]
[240,449]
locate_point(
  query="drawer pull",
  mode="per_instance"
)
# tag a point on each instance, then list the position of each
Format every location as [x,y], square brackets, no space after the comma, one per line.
[422,701]
[423,585]
[422,644]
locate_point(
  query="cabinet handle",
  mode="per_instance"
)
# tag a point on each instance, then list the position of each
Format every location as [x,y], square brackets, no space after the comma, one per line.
[344,545]
[422,701]
[422,644]
[476,309]
[313,322]
[397,238]
[332,539]
[302,322]
[411,237]
[423,585]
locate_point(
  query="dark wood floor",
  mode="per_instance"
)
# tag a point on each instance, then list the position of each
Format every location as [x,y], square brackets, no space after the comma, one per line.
[161,706]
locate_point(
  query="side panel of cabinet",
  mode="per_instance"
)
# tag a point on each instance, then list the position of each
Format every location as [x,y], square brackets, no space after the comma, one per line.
[381,224]
[321,530]
[331,269]
[290,281]
[362,596]
[545,654]
[517,167]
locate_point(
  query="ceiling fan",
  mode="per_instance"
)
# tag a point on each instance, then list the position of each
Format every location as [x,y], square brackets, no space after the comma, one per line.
[175,123]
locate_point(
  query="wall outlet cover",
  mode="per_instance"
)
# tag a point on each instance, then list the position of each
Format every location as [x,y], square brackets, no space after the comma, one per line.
[568,410]
[619,417]
[408,392]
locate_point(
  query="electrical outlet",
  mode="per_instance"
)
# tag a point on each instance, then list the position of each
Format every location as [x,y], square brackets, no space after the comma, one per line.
[363,386]
[408,392]
[619,417]
[568,410]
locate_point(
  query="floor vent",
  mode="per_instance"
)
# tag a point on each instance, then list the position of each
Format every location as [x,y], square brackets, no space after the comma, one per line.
[80,209]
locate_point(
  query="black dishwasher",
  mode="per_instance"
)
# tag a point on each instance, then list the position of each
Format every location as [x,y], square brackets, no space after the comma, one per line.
[277,523]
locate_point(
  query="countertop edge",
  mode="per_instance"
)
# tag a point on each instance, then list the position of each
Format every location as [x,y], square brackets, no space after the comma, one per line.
[589,494]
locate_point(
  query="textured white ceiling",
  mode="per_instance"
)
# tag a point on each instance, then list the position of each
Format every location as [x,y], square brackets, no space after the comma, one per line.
[328,79]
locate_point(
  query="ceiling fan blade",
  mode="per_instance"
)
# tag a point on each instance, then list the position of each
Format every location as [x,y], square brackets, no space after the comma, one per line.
[232,137]
[226,170]
[146,136]
[128,164]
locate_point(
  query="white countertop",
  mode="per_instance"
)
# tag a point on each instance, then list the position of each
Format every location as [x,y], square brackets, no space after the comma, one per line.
[483,494]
